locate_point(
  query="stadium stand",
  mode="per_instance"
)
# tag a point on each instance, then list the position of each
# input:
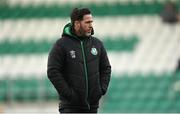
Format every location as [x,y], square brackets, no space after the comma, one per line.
[143,51]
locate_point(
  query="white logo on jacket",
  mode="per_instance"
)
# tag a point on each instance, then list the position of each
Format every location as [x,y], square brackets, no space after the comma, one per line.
[73,54]
[94,51]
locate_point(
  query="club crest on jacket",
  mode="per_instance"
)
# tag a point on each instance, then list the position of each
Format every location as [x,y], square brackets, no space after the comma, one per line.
[94,51]
[73,54]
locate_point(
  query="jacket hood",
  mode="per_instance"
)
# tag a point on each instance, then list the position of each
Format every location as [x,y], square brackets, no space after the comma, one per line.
[69,31]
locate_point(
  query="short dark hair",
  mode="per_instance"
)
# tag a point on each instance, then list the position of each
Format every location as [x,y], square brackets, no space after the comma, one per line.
[77,14]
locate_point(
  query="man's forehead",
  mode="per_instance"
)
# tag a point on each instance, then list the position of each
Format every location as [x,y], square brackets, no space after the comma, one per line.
[88,16]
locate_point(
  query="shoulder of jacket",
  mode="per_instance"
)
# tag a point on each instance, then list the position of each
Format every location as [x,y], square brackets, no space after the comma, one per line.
[98,41]
[61,41]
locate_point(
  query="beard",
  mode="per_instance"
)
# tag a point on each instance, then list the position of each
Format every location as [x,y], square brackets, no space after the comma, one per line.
[88,34]
[83,32]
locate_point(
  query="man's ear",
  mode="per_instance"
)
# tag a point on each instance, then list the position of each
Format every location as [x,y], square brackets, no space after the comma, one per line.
[77,24]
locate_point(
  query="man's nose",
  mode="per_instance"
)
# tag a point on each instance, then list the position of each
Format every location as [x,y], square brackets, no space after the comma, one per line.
[90,25]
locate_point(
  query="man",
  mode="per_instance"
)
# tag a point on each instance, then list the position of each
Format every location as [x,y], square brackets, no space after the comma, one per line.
[78,65]
[170,13]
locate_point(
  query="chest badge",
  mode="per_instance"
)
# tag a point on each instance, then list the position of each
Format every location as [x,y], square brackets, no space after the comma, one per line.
[94,51]
[73,54]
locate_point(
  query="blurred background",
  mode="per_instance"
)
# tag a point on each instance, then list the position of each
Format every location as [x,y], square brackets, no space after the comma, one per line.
[142,38]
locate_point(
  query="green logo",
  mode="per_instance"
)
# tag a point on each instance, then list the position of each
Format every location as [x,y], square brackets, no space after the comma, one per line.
[94,51]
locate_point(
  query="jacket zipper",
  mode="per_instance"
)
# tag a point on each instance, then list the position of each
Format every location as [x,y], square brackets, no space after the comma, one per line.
[86,76]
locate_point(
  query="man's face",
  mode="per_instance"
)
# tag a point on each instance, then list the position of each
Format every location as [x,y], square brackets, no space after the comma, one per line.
[86,26]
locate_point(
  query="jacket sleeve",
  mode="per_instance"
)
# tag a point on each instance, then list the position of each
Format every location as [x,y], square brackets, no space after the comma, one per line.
[105,70]
[55,72]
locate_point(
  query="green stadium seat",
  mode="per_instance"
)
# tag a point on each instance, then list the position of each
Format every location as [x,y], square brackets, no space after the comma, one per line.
[134,94]
[3,90]
[49,91]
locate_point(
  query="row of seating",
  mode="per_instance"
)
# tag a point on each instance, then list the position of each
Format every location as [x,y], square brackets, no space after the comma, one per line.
[28,47]
[142,94]
[52,11]
[64,2]
[51,29]
[20,47]
[127,93]
[23,90]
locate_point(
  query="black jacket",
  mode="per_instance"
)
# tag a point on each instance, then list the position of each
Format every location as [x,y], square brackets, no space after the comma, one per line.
[79,69]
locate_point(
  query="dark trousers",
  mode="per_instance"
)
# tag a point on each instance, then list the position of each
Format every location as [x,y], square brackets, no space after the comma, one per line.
[78,111]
